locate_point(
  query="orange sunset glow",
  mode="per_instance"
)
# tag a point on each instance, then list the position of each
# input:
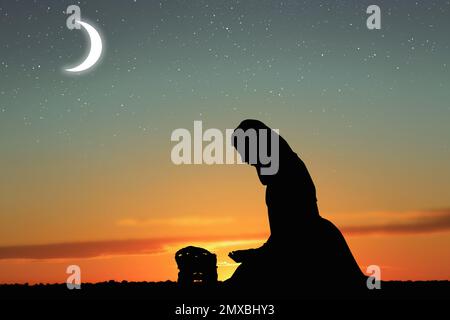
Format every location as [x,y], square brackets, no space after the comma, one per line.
[119,237]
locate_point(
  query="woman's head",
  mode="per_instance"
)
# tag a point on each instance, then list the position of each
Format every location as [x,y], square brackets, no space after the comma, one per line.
[261,147]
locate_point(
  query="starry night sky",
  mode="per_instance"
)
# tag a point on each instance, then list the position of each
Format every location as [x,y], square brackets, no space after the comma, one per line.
[368,110]
[169,62]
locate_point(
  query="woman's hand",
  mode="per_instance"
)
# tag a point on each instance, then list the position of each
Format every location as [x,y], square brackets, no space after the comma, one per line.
[241,255]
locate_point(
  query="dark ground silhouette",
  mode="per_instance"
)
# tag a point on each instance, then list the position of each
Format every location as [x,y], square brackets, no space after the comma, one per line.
[171,291]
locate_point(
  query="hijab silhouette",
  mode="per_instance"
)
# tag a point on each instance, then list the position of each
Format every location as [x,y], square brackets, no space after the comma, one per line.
[303,248]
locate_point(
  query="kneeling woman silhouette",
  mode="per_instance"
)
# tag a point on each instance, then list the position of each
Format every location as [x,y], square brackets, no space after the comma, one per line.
[304,251]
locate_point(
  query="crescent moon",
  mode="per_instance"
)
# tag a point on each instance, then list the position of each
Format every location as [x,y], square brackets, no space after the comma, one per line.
[94,53]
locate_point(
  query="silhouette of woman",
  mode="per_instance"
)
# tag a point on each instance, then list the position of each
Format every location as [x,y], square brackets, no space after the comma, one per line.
[303,248]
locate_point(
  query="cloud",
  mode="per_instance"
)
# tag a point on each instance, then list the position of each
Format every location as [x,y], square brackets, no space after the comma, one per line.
[82,249]
[401,223]
[92,249]
[407,223]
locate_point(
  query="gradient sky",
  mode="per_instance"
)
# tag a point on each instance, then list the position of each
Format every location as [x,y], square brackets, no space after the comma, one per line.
[85,170]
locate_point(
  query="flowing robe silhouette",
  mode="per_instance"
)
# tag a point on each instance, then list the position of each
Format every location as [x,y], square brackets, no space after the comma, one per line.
[303,248]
